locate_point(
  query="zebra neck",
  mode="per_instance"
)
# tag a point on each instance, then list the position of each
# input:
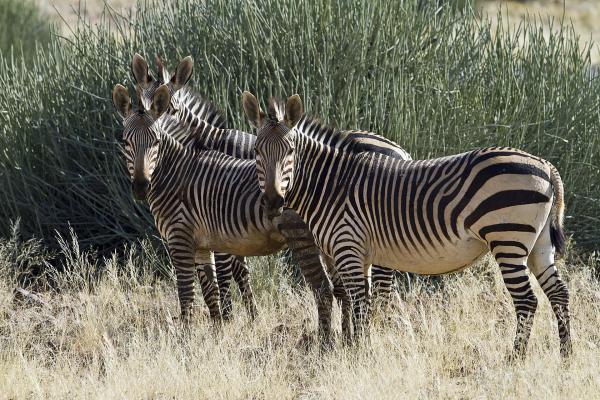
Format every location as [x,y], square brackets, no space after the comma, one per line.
[315,180]
[203,136]
[171,154]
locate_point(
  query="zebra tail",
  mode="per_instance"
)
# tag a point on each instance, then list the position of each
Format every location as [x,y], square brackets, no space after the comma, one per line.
[557,233]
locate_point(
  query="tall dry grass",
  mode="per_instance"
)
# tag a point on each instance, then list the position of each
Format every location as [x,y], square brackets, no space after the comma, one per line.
[109,330]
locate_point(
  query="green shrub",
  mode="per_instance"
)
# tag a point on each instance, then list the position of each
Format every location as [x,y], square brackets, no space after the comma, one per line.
[437,83]
[23,28]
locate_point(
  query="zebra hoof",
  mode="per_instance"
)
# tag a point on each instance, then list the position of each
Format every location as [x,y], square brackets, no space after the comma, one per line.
[566,350]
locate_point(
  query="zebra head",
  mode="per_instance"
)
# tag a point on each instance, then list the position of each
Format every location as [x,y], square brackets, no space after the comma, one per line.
[148,85]
[140,136]
[274,148]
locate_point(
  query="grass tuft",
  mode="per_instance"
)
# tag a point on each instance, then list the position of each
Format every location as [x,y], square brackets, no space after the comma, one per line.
[120,338]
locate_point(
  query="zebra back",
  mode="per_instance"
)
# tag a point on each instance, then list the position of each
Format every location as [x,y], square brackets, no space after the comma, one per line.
[353,141]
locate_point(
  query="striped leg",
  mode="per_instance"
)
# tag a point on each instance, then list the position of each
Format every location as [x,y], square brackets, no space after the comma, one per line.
[208,281]
[357,281]
[541,263]
[241,274]
[224,266]
[182,256]
[307,256]
[340,293]
[512,259]
[384,295]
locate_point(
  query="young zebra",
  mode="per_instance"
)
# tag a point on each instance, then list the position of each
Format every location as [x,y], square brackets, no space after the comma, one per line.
[205,201]
[209,133]
[429,217]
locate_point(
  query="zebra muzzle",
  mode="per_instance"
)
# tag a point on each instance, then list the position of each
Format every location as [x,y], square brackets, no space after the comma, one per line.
[273,205]
[140,188]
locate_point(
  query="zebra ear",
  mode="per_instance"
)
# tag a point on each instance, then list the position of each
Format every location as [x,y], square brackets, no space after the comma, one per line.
[252,110]
[293,111]
[183,72]
[121,100]
[139,68]
[160,101]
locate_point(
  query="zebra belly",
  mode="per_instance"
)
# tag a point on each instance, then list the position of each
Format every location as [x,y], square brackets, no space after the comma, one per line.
[451,257]
[248,244]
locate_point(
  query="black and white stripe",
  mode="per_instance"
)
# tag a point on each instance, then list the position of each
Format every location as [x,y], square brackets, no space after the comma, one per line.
[208,126]
[428,216]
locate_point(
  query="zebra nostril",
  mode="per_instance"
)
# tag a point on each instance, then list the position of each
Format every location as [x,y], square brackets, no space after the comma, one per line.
[278,202]
[140,188]
[274,202]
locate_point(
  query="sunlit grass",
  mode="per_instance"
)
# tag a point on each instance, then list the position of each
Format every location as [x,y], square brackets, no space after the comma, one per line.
[112,331]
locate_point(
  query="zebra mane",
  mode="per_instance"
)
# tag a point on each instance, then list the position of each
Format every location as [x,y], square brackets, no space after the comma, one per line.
[190,99]
[353,141]
[199,107]
[308,125]
[275,109]
[182,132]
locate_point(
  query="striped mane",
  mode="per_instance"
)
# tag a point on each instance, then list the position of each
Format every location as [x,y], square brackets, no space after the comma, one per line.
[191,100]
[308,125]
[199,107]
[351,141]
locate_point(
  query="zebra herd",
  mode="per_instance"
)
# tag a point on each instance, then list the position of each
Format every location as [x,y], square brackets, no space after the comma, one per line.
[351,206]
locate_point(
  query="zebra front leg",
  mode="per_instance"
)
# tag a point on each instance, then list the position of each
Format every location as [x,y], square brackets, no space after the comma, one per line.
[224,264]
[340,293]
[355,274]
[241,274]
[207,275]
[307,256]
[182,257]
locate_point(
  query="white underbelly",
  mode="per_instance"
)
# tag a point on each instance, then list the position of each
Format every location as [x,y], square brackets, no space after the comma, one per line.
[440,260]
[251,243]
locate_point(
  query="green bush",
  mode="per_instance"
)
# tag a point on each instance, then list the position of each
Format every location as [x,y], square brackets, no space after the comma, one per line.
[23,28]
[436,82]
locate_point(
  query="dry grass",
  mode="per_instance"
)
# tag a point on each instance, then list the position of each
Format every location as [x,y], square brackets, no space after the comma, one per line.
[583,14]
[120,338]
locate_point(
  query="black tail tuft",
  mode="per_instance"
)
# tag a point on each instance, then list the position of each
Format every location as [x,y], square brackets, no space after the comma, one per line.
[557,237]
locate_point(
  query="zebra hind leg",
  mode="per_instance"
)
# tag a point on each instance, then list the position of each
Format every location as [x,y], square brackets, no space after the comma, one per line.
[385,298]
[241,274]
[541,263]
[224,264]
[512,259]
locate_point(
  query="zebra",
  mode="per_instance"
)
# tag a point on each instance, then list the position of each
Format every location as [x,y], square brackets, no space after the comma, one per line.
[204,201]
[428,216]
[189,108]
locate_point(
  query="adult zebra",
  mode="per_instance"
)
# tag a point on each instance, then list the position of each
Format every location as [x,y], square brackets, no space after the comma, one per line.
[189,108]
[430,217]
[205,201]
[210,133]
